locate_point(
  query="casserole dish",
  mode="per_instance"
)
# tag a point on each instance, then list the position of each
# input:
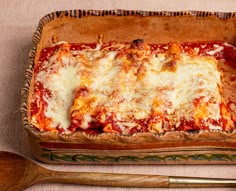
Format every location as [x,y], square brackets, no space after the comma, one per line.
[175,147]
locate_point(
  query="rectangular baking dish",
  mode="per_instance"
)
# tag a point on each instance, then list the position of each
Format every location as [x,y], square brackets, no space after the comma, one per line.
[82,26]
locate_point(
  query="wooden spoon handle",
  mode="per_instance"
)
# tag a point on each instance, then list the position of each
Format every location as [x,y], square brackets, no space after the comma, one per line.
[109,179]
[136,180]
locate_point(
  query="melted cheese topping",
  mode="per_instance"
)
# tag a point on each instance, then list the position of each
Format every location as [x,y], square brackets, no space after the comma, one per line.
[131,87]
[62,86]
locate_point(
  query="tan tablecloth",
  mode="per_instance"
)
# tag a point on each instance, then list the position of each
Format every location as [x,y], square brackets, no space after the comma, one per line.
[18,21]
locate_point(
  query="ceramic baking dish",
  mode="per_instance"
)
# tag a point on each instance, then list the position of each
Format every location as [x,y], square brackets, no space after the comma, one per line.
[81,26]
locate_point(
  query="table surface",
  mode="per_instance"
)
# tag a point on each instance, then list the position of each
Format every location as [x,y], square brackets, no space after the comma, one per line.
[18,21]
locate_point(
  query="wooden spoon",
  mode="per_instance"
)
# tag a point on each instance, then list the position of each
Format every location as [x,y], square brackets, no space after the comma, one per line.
[18,173]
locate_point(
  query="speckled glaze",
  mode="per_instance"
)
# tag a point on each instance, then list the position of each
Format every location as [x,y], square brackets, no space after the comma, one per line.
[143,148]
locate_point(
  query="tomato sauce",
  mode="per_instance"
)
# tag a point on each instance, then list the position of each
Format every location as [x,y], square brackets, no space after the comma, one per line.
[223,52]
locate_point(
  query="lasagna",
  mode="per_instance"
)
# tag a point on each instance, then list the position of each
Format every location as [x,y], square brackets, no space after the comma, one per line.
[135,87]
